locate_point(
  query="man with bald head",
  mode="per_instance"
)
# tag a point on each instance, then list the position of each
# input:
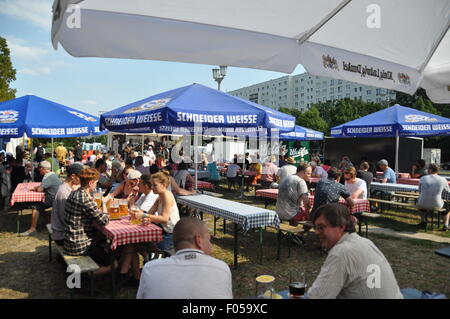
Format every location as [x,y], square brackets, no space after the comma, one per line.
[189,274]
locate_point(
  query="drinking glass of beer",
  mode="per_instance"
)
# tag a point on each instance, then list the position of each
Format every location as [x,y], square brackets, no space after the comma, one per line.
[123,207]
[98,199]
[297,284]
[133,210]
[265,286]
[114,209]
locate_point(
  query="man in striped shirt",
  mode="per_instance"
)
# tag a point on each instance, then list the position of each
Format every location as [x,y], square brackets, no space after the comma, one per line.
[355,268]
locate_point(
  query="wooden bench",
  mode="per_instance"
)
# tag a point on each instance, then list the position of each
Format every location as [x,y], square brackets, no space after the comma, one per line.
[428,212]
[404,195]
[85,263]
[287,230]
[364,218]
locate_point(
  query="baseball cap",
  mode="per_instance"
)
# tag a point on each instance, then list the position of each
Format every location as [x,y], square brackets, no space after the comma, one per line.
[383,162]
[74,169]
[133,174]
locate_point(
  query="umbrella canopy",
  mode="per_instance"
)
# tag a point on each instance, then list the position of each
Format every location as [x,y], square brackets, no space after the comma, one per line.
[301,133]
[41,118]
[188,105]
[394,121]
[375,43]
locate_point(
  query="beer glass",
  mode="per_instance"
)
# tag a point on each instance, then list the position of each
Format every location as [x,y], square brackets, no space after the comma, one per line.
[98,199]
[134,221]
[114,210]
[297,284]
[265,287]
[123,207]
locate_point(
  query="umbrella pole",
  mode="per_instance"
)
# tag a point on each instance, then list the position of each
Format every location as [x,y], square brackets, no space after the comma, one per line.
[195,160]
[396,151]
[51,157]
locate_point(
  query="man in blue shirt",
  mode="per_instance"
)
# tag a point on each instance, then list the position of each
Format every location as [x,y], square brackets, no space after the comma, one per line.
[389,174]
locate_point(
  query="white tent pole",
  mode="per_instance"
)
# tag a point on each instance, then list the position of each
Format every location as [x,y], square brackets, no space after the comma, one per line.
[396,151]
[195,159]
[51,157]
[142,144]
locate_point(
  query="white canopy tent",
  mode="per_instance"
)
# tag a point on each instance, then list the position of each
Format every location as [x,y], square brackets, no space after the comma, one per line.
[400,45]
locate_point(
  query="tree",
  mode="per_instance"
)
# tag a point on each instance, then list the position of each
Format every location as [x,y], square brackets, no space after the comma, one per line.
[7,73]
[313,120]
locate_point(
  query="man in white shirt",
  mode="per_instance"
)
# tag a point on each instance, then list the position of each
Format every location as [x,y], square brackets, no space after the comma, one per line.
[357,187]
[318,171]
[287,170]
[232,173]
[189,274]
[431,187]
[355,268]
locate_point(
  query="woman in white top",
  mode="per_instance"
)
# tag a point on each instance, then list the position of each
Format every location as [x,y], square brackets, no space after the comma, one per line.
[167,209]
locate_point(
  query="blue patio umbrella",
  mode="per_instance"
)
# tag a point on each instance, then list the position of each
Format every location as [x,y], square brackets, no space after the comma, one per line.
[301,133]
[184,107]
[394,121]
[41,118]
[181,109]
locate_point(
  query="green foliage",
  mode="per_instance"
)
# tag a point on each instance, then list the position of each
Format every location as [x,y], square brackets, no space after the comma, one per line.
[312,119]
[7,73]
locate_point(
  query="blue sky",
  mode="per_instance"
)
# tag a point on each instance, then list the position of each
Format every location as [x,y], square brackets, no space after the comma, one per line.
[93,84]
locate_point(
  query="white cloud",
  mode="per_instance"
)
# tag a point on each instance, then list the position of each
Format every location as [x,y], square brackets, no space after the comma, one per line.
[37,12]
[20,50]
[91,102]
[36,71]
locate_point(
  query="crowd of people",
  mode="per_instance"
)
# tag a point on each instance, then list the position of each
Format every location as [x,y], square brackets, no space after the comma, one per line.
[148,182]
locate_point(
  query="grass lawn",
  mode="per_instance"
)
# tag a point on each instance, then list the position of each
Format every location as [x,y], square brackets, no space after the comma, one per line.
[27,272]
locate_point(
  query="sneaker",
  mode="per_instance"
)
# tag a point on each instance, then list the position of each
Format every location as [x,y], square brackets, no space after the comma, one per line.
[27,233]
[445,228]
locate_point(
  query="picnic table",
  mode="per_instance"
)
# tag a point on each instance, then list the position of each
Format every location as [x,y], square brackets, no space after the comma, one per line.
[200,173]
[361,205]
[24,194]
[121,232]
[246,172]
[395,187]
[411,181]
[246,216]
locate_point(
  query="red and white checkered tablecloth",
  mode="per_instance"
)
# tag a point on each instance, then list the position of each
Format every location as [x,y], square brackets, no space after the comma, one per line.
[269,193]
[361,205]
[23,194]
[202,184]
[124,233]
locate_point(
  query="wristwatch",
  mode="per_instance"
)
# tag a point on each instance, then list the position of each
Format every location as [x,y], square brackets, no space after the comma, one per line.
[144,216]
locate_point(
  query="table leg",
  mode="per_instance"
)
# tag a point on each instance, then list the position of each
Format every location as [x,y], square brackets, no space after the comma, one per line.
[261,240]
[113,274]
[235,245]
[215,220]
[224,226]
